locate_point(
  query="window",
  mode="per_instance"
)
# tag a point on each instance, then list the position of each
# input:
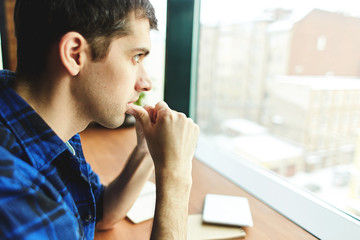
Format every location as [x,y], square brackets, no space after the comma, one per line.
[321,43]
[155,62]
[278,94]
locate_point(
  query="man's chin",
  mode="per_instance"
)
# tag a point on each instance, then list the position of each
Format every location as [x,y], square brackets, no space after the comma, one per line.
[113,124]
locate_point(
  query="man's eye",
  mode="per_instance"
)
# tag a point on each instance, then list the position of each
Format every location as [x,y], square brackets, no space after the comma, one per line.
[137,58]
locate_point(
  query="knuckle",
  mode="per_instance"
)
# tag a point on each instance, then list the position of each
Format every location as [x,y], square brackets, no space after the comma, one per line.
[191,120]
[182,115]
[161,105]
[197,128]
[164,114]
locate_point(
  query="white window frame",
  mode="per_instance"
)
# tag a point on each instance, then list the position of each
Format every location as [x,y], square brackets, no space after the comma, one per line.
[300,206]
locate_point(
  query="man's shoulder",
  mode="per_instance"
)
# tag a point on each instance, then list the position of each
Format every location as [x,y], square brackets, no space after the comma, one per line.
[13,169]
[8,140]
[34,209]
[6,76]
[16,176]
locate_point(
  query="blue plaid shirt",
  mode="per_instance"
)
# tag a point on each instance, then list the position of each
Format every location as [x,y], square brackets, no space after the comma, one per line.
[47,191]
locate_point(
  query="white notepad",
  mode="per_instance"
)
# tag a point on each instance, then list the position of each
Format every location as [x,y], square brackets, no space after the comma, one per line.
[144,206]
[227,210]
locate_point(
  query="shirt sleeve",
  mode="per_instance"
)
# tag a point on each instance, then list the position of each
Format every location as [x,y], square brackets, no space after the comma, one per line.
[29,208]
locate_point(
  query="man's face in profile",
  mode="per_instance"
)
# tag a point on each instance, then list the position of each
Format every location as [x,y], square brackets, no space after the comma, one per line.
[110,86]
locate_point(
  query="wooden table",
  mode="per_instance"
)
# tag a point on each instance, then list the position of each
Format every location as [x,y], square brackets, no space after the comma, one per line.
[107,150]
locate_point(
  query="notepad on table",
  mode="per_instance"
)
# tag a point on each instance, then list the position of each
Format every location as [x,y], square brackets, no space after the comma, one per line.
[227,210]
[144,206]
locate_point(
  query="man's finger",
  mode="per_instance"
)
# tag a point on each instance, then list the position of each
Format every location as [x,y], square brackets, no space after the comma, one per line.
[140,114]
[151,112]
[161,105]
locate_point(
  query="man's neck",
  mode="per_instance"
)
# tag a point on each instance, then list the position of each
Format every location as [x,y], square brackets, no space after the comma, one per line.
[52,100]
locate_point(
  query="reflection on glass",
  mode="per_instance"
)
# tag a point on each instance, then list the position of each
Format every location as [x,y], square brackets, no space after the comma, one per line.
[280,86]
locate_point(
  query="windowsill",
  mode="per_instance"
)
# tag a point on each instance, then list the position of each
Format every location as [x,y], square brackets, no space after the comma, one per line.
[296,204]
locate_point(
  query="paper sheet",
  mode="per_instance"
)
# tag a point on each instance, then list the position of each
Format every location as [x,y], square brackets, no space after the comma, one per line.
[197,230]
[144,206]
[227,210]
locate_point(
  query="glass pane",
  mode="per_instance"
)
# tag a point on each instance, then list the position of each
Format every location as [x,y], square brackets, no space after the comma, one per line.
[279,85]
[155,62]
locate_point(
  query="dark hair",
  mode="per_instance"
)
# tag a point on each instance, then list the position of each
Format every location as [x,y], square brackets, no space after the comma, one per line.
[40,23]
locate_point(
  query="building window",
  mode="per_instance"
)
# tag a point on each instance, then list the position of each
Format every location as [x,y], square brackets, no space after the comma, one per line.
[321,43]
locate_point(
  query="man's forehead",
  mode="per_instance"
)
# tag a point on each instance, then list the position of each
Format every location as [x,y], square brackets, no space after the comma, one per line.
[139,26]
[139,33]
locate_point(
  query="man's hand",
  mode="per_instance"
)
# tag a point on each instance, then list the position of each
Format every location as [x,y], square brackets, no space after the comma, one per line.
[141,142]
[171,138]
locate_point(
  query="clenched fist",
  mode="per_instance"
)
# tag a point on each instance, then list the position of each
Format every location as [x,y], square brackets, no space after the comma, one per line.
[171,137]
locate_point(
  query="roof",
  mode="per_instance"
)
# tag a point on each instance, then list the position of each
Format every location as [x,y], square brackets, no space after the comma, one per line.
[272,148]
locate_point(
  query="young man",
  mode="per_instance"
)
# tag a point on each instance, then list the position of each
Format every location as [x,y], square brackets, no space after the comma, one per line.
[80,61]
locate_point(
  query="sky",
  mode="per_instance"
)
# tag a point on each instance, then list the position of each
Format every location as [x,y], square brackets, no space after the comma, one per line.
[230,11]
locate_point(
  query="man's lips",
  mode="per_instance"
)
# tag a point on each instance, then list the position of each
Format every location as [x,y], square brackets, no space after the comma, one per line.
[131,103]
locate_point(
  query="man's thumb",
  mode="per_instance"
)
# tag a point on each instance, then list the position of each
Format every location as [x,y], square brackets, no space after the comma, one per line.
[140,114]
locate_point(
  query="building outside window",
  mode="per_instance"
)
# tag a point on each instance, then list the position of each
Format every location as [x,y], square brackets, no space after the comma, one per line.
[279,86]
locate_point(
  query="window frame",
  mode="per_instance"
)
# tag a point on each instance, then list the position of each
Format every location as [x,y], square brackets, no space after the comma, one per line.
[181,58]
[267,186]
[3,37]
[320,218]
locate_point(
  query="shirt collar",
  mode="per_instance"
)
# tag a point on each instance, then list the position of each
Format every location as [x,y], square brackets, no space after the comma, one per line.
[38,140]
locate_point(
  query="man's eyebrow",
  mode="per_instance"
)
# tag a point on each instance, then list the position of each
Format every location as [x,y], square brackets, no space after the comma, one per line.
[144,50]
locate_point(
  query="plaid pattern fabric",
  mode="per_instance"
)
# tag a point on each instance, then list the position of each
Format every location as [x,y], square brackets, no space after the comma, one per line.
[46,192]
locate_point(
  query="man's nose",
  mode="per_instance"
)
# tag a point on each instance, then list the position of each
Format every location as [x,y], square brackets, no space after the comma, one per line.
[143,82]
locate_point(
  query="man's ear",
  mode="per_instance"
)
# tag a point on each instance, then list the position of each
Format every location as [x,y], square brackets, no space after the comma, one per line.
[73,52]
